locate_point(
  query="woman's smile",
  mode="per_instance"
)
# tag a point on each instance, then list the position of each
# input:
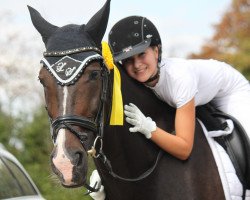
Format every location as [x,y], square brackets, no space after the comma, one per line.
[140,70]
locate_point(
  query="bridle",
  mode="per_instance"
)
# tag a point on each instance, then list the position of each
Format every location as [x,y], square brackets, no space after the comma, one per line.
[68,121]
[96,126]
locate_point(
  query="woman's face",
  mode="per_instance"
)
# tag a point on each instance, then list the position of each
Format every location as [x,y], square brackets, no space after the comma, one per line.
[142,66]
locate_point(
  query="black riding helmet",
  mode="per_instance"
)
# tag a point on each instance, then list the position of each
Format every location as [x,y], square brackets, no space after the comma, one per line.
[131,36]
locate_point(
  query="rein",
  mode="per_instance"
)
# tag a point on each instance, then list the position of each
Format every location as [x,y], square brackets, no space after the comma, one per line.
[142,176]
[96,126]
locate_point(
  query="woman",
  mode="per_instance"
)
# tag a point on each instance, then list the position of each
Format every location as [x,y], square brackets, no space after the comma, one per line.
[183,84]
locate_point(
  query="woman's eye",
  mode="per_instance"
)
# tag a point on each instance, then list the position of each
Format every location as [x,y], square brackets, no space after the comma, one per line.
[142,54]
[127,61]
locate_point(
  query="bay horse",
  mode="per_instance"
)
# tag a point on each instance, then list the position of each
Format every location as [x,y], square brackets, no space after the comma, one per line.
[78,90]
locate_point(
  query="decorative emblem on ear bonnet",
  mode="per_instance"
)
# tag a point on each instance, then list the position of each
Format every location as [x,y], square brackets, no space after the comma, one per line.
[67,70]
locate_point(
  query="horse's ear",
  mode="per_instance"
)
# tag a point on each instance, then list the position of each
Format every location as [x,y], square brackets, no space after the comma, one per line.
[97,25]
[43,27]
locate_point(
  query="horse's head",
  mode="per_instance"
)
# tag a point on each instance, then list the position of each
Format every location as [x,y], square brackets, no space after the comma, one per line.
[73,77]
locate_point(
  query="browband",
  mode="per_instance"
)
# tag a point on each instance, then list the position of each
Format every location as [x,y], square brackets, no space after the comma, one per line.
[71,51]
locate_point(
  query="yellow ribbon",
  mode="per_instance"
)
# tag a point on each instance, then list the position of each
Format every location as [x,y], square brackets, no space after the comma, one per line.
[117,104]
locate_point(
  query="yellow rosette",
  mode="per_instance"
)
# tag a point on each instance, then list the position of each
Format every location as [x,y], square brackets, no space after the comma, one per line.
[116,117]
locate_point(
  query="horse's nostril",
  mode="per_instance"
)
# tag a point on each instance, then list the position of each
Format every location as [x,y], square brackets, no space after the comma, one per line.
[54,153]
[78,159]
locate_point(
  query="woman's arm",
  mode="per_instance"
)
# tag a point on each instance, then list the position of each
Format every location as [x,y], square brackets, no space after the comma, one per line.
[179,145]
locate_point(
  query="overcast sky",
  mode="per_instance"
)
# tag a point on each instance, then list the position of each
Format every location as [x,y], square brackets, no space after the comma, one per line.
[183,24]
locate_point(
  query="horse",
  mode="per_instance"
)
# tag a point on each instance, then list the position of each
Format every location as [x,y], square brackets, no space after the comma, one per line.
[78,96]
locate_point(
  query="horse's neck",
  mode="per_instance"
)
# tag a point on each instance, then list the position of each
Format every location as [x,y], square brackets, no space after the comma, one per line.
[132,152]
[129,153]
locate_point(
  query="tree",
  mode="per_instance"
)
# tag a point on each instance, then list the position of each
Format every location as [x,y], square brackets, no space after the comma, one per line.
[231,41]
[6,127]
[19,64]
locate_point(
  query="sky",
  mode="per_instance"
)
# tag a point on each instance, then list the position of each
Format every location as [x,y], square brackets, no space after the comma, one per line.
[184,25]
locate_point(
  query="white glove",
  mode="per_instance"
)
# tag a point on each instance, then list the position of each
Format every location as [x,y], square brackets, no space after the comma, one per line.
[142,124]
[95,178]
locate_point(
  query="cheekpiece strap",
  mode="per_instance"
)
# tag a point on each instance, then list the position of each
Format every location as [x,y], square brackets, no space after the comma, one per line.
[71,51]
[67,70]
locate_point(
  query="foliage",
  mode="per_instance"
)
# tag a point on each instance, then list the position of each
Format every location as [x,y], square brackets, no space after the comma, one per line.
[6,127]
[231,41]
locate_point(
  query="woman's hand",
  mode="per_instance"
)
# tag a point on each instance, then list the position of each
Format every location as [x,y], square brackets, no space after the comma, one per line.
[96,180]
[142,124]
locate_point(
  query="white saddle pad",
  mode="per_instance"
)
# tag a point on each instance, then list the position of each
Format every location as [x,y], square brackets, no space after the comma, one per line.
[232,186]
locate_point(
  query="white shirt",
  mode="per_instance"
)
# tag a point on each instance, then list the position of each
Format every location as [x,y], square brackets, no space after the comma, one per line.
[205,80]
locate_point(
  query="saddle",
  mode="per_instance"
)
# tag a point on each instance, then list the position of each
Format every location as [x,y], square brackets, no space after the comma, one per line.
[236,144]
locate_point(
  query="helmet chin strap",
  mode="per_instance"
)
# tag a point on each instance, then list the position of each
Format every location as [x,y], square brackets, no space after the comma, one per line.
[153,77]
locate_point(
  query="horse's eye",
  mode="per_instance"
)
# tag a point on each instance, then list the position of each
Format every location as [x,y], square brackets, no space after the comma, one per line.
[40,80]
[93,75]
